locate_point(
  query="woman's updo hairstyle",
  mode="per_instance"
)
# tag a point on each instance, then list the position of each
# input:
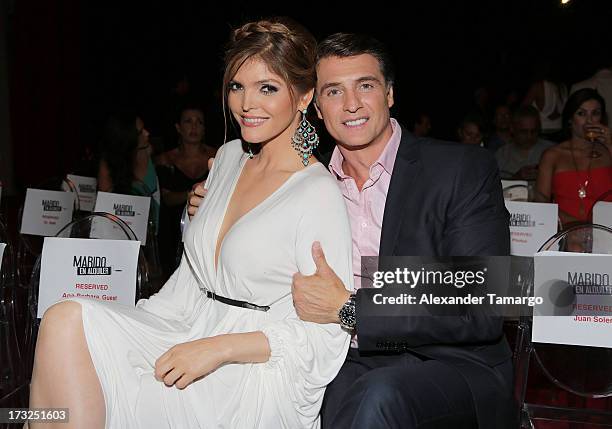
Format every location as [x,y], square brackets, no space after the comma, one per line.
[287,49]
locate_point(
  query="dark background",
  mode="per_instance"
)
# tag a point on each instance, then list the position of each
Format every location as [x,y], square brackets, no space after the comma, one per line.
[72,62]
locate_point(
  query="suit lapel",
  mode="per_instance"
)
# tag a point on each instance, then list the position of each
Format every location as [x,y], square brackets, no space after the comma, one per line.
[405,171]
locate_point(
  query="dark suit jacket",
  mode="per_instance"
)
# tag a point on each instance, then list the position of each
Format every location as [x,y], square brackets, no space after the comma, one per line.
[445,199]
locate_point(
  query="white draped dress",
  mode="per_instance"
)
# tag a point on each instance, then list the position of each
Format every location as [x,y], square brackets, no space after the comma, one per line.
[257,260]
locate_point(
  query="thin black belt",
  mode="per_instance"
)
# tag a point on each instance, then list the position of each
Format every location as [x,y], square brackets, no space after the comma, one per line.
[236,303]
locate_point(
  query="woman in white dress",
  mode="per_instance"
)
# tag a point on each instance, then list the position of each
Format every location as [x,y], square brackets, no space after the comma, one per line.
[220,346]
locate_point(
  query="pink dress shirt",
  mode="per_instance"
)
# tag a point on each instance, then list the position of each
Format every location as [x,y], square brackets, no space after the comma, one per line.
[366,208]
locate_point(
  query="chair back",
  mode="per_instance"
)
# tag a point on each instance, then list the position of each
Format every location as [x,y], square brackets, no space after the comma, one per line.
[114,229]
[579,372]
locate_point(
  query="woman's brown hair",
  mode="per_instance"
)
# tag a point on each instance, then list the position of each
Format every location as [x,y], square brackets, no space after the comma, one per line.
[286,47]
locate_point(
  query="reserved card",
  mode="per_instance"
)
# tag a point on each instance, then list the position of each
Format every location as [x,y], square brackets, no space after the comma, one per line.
[46,212]
[531,224]
[602,213]
[84,268]
[133,210]
[86,187]
[577,299]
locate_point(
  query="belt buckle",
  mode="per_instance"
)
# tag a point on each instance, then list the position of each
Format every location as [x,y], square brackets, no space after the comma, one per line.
[211,295]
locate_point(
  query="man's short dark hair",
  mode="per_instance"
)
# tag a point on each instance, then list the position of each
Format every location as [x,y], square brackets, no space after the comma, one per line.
[349,45]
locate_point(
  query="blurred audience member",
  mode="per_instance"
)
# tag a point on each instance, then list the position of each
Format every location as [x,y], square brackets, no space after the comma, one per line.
[179,169]
[125,163]
[578,172]
[471,130]
[519,158]
[602,82]
[502,121]
[420,124]
[548,96]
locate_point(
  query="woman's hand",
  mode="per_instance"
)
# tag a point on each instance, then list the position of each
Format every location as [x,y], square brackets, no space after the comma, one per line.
[186,362]
[599,133]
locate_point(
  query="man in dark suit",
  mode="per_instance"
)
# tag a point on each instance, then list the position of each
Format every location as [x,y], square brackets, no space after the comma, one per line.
[405,198]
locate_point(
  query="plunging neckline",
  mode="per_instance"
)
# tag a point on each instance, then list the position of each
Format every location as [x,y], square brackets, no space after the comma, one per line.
[243,162]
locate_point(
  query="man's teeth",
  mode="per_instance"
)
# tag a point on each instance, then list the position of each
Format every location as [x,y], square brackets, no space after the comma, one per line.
[253,120]
[356,122]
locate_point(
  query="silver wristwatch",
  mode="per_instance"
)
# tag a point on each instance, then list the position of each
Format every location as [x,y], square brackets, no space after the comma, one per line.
[346,314]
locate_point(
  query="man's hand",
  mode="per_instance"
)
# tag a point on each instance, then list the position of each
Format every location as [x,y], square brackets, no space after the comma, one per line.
[197,194]
[319,297]
[186,362]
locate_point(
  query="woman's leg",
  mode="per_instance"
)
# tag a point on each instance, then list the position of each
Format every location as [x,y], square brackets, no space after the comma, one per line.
[64,375]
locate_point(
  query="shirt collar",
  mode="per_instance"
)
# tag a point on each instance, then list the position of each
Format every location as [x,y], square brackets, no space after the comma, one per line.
[386,159]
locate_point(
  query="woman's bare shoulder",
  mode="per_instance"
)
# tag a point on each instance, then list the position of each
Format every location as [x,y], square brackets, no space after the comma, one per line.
[555,152]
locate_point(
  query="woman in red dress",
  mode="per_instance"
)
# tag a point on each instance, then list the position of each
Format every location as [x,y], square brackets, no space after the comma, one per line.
[578,172]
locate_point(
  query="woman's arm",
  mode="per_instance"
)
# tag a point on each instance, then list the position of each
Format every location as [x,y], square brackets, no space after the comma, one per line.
[546,168]
[186,362]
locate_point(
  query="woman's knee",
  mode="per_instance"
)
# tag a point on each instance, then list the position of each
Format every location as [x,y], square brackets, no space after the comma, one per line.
[65,315]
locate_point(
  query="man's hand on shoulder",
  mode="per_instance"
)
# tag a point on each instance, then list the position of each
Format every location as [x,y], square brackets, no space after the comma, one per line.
[195,198]
[197,194]
[319,297]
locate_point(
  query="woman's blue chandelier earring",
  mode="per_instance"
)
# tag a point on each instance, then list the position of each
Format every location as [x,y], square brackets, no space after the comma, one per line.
[250,154]
[305,139]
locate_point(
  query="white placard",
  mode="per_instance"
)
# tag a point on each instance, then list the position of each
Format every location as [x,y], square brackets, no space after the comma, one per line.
[531,224]
[515,190]
[577,293]
[84,268]
[46,212]
[2,247]
[86,187]
[602,213]
[133,210]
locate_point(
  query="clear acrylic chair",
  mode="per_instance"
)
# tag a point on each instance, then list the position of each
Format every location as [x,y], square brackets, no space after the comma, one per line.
[29,247]
[580,375]
[12,377]
[516,193]
[114,229]
[151,248]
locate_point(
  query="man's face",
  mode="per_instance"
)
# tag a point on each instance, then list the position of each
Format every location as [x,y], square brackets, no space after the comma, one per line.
[353,100]
[525,132]
[470,134]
